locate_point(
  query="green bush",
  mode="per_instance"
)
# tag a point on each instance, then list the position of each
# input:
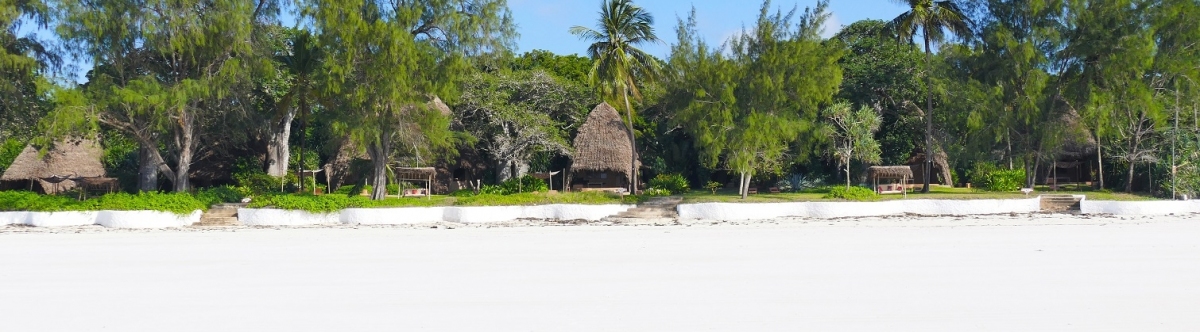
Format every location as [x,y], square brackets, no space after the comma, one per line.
[852,193]
[656,192]
[222,194]
[524,184]
[589,197]
[180,203]
[258,182]
[331,203]
[988,177]
[463,193]
[712,186]
[672,183]
[489,189]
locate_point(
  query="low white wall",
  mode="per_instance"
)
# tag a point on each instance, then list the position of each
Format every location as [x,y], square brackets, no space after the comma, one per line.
[391,216]
[755,211]
[1139,207]
[61,219]
[146,219]
[13,217]
[486,214]
[277,217]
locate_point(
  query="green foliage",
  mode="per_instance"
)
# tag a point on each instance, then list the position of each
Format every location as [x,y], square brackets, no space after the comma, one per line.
[853,133]
[674,184]
[179,203]
[524,184]
[712,186]
[987,176]
[258,182]
[590,197]
[571,67]
[852,193]
[223,194]
[654,192]
[9,150]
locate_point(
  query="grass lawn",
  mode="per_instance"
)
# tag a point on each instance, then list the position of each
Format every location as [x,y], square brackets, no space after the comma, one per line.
[935,192]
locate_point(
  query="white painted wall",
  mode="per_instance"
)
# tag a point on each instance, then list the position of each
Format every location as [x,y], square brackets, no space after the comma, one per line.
[485,214]
[756,211]
[391,216]
[1139,207]
[13,217]
[277,217]
[146,219]
[61,219]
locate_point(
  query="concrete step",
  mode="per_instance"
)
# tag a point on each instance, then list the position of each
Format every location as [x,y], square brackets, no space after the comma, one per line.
[221,212]
[218,222]
[1060,203]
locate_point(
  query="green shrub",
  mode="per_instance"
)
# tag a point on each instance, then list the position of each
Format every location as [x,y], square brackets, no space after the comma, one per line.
[1004,180]
[463,193]
[178,203]
[656,192]
[524,184]
[222,194]
[489,189]
[852,193]
[351,190]
[712,186]
[988,177]
[589,197]
[31,201]
[672,183]
[258,182]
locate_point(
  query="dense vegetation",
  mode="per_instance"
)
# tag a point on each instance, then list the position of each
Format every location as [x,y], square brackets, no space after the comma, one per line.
[195,93]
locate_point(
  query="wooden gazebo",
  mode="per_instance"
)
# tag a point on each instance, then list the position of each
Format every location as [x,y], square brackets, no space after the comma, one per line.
[896,178]
[415,174]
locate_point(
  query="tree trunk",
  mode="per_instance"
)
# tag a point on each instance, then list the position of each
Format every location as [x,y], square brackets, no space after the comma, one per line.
[746,184]
[928,115]
[1099,162]
[847,174]
[633,182]
[379,152]
[1129,178]
[742,185]
[147,170]
[185,141]
[278,148]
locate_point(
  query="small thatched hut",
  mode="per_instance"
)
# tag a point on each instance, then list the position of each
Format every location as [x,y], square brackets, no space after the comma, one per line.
[602,151]
[895,178]
[57,170]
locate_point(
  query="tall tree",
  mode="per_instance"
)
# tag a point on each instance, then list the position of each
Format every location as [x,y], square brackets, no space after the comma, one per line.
[23,62]
[386,59]
[933,19]
[619,63]
[162,69]
[760,104]
[853,134]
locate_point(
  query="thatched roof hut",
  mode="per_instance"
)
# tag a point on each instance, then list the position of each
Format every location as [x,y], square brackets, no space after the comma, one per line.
[602,144]
[68,159]
[890,172]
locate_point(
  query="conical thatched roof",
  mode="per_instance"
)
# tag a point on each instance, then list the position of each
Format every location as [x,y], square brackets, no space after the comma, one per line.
[71,158]
[1077,142]
[440,105]
[603,143]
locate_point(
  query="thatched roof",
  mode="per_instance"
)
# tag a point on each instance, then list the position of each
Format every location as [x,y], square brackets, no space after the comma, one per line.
[890,172]
[603,143]
[1077,141]
[415,173]
[71,158]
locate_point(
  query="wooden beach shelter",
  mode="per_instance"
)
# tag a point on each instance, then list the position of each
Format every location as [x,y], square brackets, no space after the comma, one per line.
[602,152]
[895,179]
[415,174]
[69,163]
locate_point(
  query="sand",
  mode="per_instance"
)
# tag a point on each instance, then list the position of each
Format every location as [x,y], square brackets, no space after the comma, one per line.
[991,273]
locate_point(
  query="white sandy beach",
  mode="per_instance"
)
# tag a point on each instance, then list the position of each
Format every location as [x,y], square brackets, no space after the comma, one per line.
[984,273]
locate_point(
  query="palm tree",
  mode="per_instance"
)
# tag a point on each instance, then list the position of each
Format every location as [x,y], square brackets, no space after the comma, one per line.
[618,62]
[302,60]
[933,18]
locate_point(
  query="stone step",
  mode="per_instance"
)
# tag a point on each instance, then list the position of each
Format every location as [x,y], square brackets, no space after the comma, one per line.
[221,212]
[218,222]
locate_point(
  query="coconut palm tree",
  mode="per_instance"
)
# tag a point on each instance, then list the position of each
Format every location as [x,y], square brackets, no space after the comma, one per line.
[617,61]
[933,18]
[302,60]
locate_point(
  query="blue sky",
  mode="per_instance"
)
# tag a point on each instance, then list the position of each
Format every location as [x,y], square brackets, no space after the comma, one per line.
[543,24]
